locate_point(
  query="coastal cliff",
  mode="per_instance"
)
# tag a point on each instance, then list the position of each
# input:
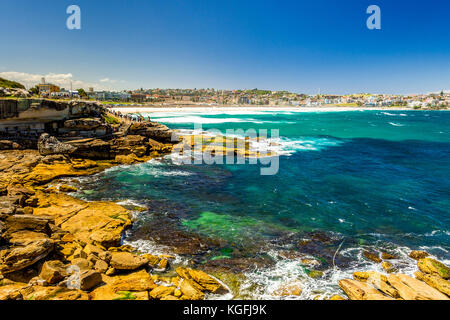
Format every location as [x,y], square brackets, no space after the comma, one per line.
[55,246]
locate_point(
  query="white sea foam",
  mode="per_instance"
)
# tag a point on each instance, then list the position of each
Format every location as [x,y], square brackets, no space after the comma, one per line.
[396,124]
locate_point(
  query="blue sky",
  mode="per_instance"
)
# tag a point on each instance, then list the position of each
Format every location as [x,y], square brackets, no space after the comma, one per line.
[297,45]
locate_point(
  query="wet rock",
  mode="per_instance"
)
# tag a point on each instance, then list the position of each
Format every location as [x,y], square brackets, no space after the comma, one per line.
[136,281]
[434,281]
[388,256]
[48,145]
[388,267]
[372,256]
[315,274]
[432,266]
[417,254]
[289,289]
[127,261]
[53,271]
[357,290]
[413,289]
[190,290]
[207,282]
[22,257]
[237,265]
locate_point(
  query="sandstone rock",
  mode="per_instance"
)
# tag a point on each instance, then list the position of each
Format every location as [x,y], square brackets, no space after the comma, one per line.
[127,261]
[22,257]
[413,289]
[417,254]
[89,279]
[372,256]
[20,222]
[206,282]
[53,271]
[337,297]
[153,130]
[91,148]
[189,290]
[169,297]
[11,291]
[432,266]
[82,263]
[434,281]
[101,266]
[153,261]
[48,145]
[136,281]
[25,237]
[107,293]
[357,290]
[52,293]
[8,145]
[161,291]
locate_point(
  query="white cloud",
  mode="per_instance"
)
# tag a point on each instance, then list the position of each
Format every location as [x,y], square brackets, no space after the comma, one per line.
[61,79]
[108,80]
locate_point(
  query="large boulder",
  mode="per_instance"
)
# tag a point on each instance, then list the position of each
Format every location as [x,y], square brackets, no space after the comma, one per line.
[52,293]
[412,289]
[48,145]
[127,261]
[153,130]
[434,281]
[357,290]
[21,257]
[53,271]
[432,266]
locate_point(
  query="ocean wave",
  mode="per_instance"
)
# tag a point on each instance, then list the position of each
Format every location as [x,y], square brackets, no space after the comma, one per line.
[396,124]
[395,114]
[202,120]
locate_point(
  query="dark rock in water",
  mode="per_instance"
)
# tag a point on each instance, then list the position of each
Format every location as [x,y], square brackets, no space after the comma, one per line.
[48,145]
[373,256]
[326,253]
[238,265]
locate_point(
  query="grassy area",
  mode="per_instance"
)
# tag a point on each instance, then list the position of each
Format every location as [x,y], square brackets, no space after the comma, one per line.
[111,119]
[10,84]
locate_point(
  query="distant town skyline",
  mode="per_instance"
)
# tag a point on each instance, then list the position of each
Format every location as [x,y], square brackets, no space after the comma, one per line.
[296,46]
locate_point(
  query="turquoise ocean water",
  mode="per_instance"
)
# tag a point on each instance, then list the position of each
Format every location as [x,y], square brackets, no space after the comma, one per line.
[353,181]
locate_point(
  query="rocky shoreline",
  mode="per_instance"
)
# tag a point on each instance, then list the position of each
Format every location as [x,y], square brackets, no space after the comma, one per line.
[54,246]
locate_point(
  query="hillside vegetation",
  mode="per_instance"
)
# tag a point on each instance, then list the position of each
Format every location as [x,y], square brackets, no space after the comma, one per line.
[11,84]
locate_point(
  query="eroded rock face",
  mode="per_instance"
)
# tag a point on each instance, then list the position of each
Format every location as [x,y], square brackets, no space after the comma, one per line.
[21,257]
[83,124]
[49,145]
